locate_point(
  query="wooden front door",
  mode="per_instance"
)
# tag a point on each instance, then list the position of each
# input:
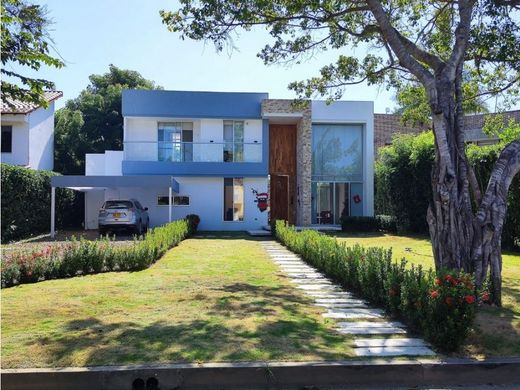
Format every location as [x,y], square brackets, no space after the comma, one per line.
[282,170]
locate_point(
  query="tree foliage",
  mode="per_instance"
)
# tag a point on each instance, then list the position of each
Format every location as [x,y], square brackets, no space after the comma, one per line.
[25,43]
[92,122]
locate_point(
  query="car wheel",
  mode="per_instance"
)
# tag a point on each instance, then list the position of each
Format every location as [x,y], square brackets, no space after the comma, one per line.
[102,231]
[139,228]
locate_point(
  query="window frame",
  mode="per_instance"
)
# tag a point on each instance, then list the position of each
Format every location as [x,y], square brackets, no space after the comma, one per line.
[173,201]
[234,179]
[233,142]
[7,129]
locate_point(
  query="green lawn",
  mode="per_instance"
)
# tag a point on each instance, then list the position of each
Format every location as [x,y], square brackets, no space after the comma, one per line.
[209,299]
[497,330]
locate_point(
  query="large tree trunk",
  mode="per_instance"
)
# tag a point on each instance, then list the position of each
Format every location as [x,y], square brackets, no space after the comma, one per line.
[462,239]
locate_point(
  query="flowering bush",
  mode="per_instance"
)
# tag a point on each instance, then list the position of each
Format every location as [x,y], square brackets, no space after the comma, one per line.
[451,309]
[90,257]
[442,308]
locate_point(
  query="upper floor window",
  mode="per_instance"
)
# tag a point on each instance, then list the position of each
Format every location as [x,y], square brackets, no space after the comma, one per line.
[337,152]
[175,141]
[233,141]
[7,139]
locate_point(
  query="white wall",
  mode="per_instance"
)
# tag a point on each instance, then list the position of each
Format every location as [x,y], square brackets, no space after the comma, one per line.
[41,138]
[20,140]
[104,164]
[357,112]
[206,200]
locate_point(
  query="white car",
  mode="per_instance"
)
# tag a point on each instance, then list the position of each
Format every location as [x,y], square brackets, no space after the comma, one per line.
[123,214]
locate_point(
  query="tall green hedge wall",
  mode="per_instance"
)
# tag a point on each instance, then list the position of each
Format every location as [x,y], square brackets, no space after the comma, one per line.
[403,185]
[26,203]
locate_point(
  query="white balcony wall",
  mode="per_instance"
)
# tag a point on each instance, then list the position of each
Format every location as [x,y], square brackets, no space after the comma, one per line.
[141,142]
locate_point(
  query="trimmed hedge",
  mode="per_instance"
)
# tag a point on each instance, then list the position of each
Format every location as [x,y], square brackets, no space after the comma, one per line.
[441,307]
[26,203]
[91,257]
[403,187]
[385,223]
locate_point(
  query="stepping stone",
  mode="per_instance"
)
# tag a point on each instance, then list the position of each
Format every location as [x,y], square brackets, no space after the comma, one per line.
[369,324]
[318,287]
[401,342]
[338,300]
[342,305]
[317,280]
[353,313]
[336,294]
[394,351]
[303,275]
[371,331]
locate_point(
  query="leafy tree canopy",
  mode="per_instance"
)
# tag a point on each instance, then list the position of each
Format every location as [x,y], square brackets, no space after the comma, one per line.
[26,43]
[426,30]
[92,122]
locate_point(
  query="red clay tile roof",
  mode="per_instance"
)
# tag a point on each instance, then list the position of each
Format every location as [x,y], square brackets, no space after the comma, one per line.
[18,107]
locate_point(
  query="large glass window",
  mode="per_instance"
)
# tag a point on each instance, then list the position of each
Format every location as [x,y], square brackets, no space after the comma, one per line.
[333,200]
[233,141]
[175,141]
[7,139]
[337,152]
[233,199]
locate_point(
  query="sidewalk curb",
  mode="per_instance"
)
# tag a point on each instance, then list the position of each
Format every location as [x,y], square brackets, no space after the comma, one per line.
[276,375]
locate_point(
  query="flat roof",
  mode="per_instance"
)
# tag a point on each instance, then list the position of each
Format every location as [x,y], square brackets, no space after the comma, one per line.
[86,183]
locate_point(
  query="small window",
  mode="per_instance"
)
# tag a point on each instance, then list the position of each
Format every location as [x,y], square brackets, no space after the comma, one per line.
[118,204]
[177,200]
[233,199]
[7,139]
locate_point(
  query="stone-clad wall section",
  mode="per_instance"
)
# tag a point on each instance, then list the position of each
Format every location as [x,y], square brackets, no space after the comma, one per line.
[303,151]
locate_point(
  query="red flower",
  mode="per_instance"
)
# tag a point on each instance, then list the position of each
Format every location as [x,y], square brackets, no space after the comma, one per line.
[449,301]
[437,282]
[434,294]
[485,296]
[392,292]
[447,278]
[454,281]
[469,299]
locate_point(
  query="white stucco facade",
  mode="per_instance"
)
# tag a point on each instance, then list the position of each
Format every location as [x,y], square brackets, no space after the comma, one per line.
[32,138]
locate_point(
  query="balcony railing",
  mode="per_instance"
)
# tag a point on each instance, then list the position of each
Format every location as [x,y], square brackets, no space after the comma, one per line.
[193,151]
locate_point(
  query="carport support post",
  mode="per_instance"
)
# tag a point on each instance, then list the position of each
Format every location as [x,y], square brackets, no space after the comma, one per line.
[53,210]
[169,204]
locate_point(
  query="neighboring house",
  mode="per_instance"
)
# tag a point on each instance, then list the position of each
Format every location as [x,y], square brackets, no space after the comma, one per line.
[386,126]
[226,156]
[28,133]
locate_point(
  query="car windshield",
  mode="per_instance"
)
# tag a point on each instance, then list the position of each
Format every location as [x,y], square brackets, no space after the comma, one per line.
[118,204]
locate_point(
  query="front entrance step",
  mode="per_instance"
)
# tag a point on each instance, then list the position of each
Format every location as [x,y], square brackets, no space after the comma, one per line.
[258,233]
[393,351]
[399,342]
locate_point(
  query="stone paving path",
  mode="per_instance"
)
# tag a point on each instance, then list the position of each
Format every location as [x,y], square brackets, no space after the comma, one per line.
[354,316]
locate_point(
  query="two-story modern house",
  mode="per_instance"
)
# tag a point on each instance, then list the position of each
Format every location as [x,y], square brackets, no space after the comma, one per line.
[235,159]
[28,133]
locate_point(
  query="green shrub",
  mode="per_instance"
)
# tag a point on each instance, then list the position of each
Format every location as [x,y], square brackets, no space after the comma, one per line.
[193,222]
[407,293]
[385,223]
[90,257]
[403,187]
[26,203]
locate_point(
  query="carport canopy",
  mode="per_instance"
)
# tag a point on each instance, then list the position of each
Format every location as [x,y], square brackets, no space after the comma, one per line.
[91,183]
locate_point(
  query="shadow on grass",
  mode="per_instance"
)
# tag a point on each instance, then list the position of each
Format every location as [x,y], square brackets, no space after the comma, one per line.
[94,343]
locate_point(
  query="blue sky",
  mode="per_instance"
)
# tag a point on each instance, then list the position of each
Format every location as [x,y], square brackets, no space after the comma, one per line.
[91,34]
